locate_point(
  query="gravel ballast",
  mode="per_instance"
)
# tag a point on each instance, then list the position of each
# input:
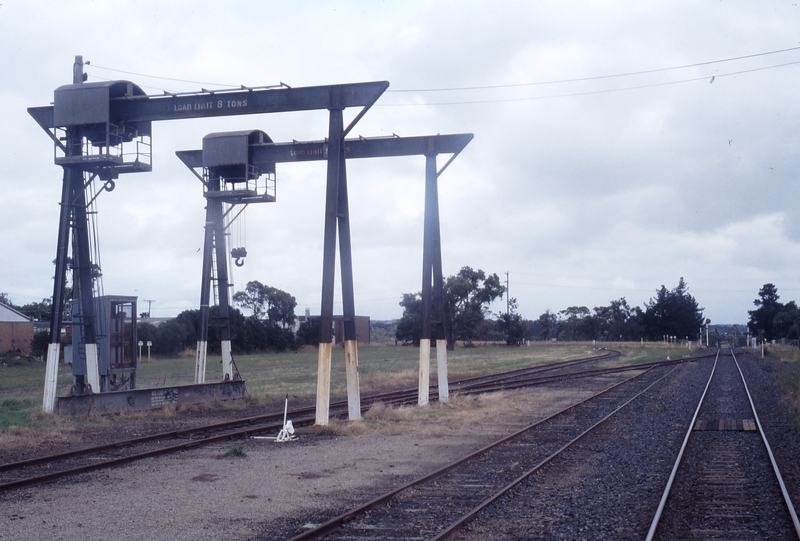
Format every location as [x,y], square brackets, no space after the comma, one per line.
[201,494]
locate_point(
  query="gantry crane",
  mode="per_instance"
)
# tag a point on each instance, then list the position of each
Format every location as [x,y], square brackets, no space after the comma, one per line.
[104,129]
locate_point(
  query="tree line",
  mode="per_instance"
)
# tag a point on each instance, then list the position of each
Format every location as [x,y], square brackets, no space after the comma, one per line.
[270,320]
[772,319]
[468,295]
[268,328]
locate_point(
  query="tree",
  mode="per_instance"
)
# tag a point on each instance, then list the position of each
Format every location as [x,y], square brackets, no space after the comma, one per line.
[576,323]
[672,313]
[547,326]
[278,306]
[40,311]
[512,324]
[173,336]
[409,326]
[308,333]
[762,319]
[785,322]
[618,321]
[467,296]
[252,298]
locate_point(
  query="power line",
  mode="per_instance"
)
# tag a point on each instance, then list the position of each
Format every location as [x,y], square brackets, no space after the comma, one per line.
[589,92]
[521,85]
[597,77]
[160,77]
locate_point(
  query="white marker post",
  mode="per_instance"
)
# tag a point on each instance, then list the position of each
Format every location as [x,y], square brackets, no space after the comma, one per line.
[441,364]
[351,370]
[51,378]
[424,370]
[227,361]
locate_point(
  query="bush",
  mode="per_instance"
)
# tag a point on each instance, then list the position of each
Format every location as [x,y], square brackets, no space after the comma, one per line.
[40,343]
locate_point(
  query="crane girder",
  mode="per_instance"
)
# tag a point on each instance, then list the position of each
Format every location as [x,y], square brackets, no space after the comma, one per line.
[232,102]
[377,147]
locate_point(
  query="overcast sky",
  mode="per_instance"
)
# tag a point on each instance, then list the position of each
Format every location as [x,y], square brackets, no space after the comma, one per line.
[618,146]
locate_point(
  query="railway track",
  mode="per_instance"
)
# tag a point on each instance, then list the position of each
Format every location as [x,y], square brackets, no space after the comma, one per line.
[439,504]
[53,467]
[725,483]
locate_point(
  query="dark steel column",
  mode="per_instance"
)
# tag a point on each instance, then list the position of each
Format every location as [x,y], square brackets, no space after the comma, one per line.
[348,296]
[432,287]
[335,130]
[345,254]
[428,247]
[82,263]
[331,220]
[57,308]
[62,253]
[438,282]
[427,275]
[432,193]
[72,185]
[205,283]
[222,270]
[205,291]
[223,289]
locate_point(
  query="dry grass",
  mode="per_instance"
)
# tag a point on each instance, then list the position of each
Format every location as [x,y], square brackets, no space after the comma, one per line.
[441,419]
[271,377]
[784,363]
[56,429]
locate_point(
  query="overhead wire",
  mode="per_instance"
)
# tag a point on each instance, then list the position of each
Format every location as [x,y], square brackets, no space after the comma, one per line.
[159,77]
[590,92]
[598,77]
[534,83]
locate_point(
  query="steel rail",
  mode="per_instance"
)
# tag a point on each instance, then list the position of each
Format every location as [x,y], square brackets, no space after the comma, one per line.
[265,422]
[515,384]
[654,524]
[471,382]
[123,460]
[775,468]
[665,496]
[335,523]
[474,512]
[368,400]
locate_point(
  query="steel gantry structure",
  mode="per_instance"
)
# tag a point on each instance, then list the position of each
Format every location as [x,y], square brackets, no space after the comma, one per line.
[263,155]
[103,130]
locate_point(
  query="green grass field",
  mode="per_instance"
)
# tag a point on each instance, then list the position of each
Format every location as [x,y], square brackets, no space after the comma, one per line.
[270,377]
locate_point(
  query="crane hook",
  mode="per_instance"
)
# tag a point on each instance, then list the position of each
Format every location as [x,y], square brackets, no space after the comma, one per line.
[238,254]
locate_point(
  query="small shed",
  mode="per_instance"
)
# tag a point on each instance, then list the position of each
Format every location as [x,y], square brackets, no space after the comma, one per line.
[16,330]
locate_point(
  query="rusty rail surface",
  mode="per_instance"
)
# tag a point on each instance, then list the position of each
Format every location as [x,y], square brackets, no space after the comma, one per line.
[725,453]
[249,426]
[436,484]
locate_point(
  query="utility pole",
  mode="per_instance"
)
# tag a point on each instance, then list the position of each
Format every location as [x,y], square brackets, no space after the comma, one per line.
[149,304]
[508,297]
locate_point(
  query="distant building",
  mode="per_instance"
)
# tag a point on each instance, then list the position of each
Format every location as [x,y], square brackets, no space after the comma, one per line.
[16,330]
[362,328]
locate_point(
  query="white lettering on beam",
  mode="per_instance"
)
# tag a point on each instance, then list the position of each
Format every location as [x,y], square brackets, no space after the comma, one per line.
[207,105]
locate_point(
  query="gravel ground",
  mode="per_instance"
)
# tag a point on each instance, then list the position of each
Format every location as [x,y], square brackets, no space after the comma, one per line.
[201,495]
[776,418]
[609,484]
